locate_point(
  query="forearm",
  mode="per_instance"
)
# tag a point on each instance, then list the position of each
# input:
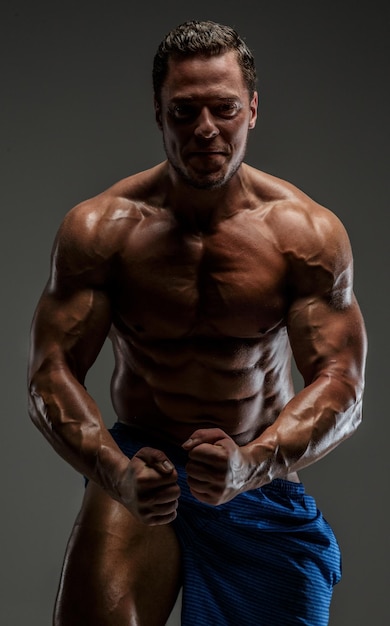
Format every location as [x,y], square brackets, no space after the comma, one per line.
[312,424]
[69,418]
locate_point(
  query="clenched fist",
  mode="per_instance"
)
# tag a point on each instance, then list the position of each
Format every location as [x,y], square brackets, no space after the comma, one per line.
[218,469]
[156,491]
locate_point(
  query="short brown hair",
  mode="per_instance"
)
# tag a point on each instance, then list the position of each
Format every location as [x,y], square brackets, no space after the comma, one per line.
[202,38]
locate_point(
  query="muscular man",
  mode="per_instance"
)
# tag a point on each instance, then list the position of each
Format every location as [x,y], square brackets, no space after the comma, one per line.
[206,274]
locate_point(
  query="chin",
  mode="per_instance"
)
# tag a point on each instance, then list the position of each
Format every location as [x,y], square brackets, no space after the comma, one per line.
[207,181]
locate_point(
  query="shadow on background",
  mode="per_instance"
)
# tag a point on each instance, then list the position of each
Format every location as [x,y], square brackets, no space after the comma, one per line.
[77,116]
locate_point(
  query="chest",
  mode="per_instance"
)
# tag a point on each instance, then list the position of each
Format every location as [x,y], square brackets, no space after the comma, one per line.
[230,281]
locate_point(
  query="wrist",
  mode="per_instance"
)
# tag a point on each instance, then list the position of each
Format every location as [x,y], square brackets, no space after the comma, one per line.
[264,458]
[114,473]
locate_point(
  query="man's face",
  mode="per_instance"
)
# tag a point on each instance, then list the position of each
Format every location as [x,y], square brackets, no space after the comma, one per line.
[205,115]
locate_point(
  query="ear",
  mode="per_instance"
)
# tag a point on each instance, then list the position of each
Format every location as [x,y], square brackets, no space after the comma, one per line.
[253,107]
[157,112]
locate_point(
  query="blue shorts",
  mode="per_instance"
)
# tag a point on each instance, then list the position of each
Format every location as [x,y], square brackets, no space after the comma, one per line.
[266,558]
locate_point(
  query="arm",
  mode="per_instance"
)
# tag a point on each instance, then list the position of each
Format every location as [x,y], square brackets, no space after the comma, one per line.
[328,340]
[67,334]
[70,325]
[329,346]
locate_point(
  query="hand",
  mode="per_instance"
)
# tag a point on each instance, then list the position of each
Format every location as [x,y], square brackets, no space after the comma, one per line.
[156,492]
[218,469]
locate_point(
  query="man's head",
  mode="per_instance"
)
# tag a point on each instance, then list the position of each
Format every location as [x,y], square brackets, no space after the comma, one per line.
[205,39]
[205,102]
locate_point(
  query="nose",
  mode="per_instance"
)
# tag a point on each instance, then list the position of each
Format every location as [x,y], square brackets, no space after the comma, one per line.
[205,125]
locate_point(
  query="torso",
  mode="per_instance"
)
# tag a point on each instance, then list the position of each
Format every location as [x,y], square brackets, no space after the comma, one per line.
[199,330]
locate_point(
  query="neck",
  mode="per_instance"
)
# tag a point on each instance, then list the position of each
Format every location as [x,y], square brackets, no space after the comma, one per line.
[201,209]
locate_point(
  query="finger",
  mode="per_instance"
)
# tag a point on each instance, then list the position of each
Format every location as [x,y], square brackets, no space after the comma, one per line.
[206,474]
[156,459]
[148,478]
[159,496]
[158,513]
[154,517]
[207,496]
[204,435]
[159,520]
[203,486]
[213,455]
[157,508]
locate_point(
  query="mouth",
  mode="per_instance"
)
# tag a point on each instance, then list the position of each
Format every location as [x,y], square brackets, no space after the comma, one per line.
[206,150]
[206,154]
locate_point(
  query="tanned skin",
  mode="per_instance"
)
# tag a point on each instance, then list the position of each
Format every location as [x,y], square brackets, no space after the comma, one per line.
[203,271]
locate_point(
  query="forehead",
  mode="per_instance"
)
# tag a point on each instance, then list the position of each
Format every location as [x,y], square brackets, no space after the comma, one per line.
[200,76]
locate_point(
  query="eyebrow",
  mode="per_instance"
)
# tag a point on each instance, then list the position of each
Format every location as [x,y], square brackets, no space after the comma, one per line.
[190,99]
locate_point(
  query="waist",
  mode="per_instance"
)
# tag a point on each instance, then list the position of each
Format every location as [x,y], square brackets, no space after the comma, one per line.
[163,439]
[176,432]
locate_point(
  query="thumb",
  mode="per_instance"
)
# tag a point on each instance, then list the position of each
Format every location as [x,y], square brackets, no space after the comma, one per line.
[157,459]
[205,435]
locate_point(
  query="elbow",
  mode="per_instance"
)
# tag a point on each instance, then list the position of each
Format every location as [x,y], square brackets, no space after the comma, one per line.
[42,391]
[357,415]
[345,393]
[352,418]
[356,408]
[36,407]
[44,380]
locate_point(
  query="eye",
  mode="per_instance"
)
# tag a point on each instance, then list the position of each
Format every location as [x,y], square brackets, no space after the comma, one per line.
[227,109]
[182,111]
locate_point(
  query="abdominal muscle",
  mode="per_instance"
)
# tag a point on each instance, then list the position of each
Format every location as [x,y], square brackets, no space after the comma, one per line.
[172,388]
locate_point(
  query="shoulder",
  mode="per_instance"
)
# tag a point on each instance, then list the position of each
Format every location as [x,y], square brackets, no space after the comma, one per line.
[306,229]
[311,237]
[299,224]
[93,232]
[128,200]
[103,221]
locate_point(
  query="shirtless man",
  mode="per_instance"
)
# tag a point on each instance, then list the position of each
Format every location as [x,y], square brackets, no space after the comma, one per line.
[205,273]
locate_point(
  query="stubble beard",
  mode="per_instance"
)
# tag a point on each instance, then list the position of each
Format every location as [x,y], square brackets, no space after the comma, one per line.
[208,181]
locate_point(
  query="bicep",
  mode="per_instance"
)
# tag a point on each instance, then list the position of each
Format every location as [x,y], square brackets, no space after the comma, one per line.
[325,325]
[73,316]
[68,330]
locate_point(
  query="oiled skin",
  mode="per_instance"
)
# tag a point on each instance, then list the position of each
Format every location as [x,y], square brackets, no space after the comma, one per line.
[201,322]
[202,293]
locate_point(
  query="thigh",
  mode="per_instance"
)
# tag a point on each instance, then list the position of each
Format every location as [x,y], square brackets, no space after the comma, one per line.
[117,571]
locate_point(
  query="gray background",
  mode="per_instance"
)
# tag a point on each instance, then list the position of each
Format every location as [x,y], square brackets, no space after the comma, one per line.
[77,116]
